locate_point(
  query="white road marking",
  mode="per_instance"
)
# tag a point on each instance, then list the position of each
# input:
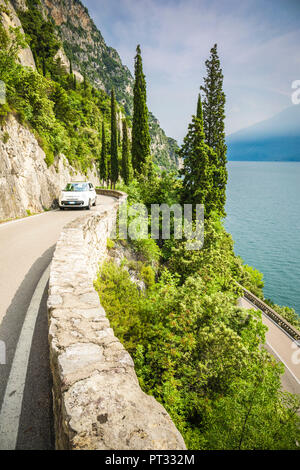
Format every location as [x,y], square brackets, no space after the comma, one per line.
[281,360]
[12,402]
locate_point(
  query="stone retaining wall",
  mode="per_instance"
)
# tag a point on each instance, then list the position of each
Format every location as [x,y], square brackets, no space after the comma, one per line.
[98,403]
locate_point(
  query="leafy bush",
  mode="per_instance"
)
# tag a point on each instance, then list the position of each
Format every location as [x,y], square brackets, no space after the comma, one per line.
[147,249]
[40,34]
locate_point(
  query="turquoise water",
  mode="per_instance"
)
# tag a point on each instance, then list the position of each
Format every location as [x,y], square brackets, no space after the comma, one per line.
[263,216]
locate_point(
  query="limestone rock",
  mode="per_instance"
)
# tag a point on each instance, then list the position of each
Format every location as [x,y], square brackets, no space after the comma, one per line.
[26,183]
[10,19]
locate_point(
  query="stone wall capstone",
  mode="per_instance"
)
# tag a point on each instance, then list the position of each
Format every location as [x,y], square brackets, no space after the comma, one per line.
[98,403]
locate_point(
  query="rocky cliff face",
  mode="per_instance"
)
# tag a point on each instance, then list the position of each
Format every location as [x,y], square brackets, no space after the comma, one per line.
[26,184]
[86,48]
[11,20]
[168,157]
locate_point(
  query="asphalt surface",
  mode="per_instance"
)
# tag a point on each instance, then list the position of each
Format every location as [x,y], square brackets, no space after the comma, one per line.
[26,250]
[284,349]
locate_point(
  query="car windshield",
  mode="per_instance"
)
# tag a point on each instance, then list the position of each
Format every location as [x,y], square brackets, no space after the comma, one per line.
[77,187]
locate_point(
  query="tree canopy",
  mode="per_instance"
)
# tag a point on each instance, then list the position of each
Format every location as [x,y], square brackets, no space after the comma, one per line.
[140,128]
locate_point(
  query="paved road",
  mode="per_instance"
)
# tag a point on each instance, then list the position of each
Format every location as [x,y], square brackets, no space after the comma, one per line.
[26,249]
[280,345]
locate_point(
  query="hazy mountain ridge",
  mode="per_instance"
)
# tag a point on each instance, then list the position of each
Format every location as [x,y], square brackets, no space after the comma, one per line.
[275,139]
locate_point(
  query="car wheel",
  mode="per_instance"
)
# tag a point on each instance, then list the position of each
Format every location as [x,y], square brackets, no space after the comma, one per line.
[61,208]
[94,203]
[88,206]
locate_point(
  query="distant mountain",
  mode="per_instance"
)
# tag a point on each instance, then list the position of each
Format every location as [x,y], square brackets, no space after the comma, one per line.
[275,139]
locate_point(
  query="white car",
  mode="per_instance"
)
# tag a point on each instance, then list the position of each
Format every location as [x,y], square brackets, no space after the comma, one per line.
[78,194]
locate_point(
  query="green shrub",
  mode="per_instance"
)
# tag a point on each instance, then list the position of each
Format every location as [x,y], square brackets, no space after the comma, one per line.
[4,111]
[147,249]
[5,137]
[200,356]
[194,350]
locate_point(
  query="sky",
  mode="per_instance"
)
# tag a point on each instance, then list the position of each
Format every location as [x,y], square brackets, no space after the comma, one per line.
[258,43]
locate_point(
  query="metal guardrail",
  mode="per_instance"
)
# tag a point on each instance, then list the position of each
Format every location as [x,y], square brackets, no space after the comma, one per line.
[270,312]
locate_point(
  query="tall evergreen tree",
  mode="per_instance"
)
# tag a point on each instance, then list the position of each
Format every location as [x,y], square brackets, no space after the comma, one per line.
[119,138]
[125,170]
[103,159]
[197,171]
[114,164]
[141,158]
[214,116]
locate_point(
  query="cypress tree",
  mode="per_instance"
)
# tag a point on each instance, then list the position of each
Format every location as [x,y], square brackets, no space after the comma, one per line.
[197,171]
[214,128]
[103,159]
[125,155]
[114,173]
[119,138]
[140,128]
[44,66]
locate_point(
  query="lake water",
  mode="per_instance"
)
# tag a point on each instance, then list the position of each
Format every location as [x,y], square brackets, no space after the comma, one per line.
[263,216]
